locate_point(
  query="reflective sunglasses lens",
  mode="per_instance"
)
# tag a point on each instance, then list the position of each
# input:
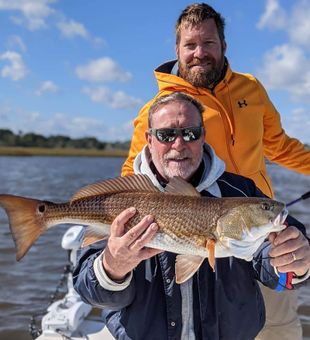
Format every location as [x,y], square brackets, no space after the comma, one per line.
[191,134]
[166,135]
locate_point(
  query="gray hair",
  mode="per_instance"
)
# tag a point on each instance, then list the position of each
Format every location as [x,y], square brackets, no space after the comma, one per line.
[171,98]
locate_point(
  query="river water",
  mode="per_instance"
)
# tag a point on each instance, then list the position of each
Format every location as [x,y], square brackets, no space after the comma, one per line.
[26,286]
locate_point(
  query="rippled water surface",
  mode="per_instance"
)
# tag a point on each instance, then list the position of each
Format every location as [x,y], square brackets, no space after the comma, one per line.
[26,286]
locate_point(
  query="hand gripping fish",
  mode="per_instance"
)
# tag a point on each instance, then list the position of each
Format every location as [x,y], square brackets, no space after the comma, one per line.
[192,226]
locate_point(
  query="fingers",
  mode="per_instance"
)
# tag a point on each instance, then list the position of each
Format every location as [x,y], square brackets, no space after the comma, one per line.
[290,252]
[144,238]
[286,234]
[118,225]
[297,262]
[133,235]
[123,253]
[287,241]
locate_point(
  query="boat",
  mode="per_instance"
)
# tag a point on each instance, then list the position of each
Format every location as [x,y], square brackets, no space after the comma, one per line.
[69,317]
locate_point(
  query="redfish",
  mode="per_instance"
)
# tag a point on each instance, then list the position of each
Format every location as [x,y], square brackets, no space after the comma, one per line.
[189,225]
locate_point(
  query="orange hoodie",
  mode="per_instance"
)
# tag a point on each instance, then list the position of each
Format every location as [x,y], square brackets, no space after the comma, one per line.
[241,124]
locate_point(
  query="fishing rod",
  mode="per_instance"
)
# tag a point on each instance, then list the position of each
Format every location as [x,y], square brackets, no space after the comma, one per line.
[302,197]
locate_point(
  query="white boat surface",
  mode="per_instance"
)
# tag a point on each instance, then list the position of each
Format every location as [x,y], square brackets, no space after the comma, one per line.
[70,317]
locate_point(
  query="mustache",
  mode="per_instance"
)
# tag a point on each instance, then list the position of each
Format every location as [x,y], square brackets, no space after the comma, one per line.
[198,62]
[174,155]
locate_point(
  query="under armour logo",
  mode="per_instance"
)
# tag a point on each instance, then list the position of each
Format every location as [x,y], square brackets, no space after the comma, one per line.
[241,104]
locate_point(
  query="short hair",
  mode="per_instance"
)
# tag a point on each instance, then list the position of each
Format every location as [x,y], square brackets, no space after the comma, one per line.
[196,14]
[171,98]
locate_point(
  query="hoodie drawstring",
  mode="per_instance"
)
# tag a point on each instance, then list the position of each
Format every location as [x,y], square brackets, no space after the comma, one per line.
[231,119]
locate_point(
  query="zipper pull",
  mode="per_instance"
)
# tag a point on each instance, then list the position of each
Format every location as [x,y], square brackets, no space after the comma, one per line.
[232,140]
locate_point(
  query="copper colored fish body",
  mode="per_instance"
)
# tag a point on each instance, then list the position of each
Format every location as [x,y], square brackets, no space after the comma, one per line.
[188,223]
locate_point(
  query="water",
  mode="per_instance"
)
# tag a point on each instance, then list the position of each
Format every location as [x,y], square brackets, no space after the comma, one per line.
[26,286]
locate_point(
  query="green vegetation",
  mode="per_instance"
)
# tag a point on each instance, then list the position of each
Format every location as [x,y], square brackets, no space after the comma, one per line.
[32,144]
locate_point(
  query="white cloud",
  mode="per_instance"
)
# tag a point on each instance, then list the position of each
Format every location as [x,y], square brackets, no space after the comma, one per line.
[102,70]
[287,66]
[71,28]
[6,112]
[16,70]
[299,24]
[297,123]
[85,126]
[283,66]
[34,15]
[274,16]
[98,42]
[16,41]
[17,119]
[121,133]
[34,12]
[58,123]
[76,126]
[47,86]
[296,24]
[115,100]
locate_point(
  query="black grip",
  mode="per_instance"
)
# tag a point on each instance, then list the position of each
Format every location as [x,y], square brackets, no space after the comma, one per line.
[306,195]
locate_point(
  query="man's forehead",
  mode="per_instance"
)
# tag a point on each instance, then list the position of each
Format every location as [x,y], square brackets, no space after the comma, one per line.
[176,114]
[207,27]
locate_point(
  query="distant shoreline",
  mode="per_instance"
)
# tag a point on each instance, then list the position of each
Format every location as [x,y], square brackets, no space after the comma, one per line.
[61,152]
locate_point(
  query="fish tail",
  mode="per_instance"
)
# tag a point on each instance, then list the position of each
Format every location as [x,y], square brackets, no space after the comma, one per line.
[25,222]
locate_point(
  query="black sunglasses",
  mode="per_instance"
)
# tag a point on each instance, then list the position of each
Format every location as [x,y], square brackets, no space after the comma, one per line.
[169,135]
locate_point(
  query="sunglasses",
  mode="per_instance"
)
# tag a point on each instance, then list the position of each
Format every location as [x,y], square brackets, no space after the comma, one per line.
[169,135]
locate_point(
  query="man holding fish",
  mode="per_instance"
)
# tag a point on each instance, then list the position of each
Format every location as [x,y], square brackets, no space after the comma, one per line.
[150,294]
[243,127]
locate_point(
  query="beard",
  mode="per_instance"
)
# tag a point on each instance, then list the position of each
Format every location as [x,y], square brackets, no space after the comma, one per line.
[184,169]
[202,77]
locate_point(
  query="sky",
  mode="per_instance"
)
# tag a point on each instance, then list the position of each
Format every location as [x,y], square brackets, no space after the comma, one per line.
[85,68]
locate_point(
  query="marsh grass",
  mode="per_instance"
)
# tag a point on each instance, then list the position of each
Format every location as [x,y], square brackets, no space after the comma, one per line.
[61,152]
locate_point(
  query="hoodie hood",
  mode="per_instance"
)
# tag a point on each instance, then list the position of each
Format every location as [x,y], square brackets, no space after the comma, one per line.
[213,169]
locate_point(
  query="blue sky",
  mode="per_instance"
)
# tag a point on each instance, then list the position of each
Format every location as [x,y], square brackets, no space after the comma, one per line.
[84,68]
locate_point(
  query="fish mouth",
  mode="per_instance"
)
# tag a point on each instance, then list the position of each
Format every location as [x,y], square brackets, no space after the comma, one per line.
[280,219]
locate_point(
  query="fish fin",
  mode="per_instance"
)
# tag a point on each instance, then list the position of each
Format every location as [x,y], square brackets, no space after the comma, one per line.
[178,186]
[25,222]
[94,234]
[118,184]
[186,266]
[211,250]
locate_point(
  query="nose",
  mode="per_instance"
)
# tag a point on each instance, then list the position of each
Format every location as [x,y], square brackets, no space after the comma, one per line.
[179,143]
[200,52]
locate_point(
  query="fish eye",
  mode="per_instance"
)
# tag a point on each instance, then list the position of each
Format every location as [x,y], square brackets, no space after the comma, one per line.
[41,208]
[266,206]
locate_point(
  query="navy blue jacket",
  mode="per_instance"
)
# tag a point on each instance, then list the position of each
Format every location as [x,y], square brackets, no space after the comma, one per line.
[227,304]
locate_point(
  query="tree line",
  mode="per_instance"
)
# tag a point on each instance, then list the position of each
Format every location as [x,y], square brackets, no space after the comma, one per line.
[9,138]
[30,139]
